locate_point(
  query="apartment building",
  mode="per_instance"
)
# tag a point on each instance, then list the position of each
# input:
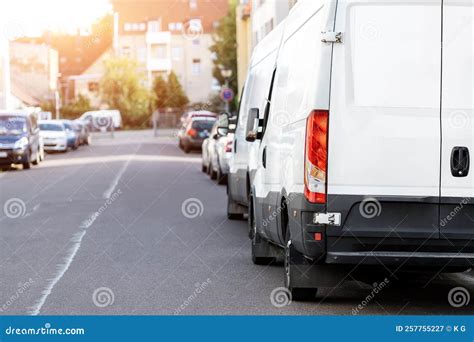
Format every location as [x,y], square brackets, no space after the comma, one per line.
[169,35]
[5,95]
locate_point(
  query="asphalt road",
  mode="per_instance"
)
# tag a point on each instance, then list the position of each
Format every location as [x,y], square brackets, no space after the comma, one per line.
[131,226]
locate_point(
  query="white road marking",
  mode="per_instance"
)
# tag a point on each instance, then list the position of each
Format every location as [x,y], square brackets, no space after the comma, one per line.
[76,244]
[61,270]
[112,186]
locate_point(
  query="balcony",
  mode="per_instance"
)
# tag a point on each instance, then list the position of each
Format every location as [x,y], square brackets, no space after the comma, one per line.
[160,37]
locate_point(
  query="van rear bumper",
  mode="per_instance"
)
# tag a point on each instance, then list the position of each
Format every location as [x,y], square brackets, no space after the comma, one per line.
[400,252]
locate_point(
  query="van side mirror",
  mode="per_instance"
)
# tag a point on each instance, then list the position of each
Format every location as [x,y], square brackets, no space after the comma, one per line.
[223,124]
[253,125]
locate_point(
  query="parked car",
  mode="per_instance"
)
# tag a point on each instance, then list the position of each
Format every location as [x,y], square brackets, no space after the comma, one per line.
[361,158]
[54,135]
[187,116]
[194,133]
[97,120]
[82,130]
[223,152]
[244,156]
[20,142]
[72,136]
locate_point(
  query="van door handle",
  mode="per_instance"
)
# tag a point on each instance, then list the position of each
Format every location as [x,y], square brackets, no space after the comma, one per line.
[235,145]
[460,161]
[264,157]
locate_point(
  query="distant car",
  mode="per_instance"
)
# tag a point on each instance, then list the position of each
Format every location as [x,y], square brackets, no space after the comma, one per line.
[45,116]
[102,119]
[187,116]
[54,135]
[82,130]
[72,136]
[20,141]
[192,135]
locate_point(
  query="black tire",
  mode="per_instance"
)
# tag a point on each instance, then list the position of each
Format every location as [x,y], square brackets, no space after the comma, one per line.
[221,178]
[186,149]
[27,162]
[231,214]
[291,260]
[37,159]
[212,174]
[203,168]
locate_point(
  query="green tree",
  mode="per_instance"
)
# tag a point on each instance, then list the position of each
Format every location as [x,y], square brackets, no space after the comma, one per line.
[176,96]
[225,49]
[122,88]
[160,92]
[71,110]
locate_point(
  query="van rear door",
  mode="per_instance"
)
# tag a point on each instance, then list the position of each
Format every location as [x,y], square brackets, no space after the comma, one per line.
[457,173]
[384,119]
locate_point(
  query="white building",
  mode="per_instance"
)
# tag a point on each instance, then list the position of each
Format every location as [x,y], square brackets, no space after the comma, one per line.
[5,88]
[266,15]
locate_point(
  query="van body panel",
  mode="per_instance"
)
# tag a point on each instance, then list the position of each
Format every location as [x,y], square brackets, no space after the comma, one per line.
[457,202]
[256,90]
[384,119]
[302,60]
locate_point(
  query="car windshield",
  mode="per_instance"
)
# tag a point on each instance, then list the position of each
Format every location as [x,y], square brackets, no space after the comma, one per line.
[202,125]
[51,127]
[68,126]
[12,125]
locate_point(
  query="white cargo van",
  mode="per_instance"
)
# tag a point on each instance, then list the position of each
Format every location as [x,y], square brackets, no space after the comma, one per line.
[364,155]
[243,161]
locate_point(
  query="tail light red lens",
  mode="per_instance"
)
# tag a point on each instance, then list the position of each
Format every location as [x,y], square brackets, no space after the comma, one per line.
[316,155]
[228,146]
[192,133]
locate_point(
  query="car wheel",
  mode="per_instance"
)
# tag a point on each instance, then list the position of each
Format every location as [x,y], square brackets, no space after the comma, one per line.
[37,158]
[291,261]
[263,253]
[27,162]
[204,168]
[221,178]
[213,173]
[233,209]
[42,154]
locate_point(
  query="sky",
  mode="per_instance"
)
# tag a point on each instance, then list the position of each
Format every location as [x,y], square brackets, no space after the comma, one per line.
[31,17]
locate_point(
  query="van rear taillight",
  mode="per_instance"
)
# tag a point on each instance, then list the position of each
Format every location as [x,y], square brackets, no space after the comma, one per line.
[316,156]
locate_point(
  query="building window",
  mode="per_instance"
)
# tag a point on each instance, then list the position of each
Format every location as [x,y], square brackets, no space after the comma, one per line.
[154,26]
[193,4]
[177,53]
[196,41]
[196,68]
[159,51]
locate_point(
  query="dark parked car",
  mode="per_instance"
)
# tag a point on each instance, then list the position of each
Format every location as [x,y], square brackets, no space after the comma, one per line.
[20,141]
[192,135]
